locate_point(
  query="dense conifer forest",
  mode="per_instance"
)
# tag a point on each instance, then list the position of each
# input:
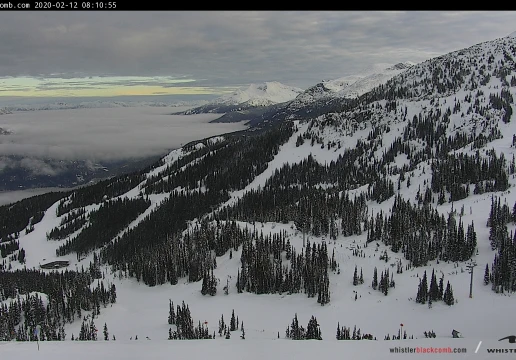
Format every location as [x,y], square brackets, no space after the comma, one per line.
[44,302]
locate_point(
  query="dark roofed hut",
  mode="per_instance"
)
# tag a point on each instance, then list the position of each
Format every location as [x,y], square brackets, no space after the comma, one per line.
[55,264]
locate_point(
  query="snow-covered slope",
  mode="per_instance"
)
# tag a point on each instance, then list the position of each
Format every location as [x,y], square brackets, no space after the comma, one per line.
[350,86]
[398,140]
[238,349]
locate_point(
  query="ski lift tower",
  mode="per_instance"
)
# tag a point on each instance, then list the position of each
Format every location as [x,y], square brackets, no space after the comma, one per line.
[470,268]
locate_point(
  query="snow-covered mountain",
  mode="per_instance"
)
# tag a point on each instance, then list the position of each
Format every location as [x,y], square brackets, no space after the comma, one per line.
[265,94]
[370,215]
[255,95]
[351,86]
[324,97]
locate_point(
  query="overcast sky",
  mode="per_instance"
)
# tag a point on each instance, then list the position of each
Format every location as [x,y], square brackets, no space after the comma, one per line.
[137,53]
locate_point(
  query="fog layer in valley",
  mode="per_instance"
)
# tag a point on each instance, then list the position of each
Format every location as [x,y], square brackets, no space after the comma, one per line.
[103,134]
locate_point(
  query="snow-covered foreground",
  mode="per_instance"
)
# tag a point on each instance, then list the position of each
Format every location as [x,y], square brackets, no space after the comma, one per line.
[142,311]
[248,349]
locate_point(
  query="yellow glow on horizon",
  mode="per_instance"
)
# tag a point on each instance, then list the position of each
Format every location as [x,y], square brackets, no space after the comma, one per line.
[115,91]
[102,87]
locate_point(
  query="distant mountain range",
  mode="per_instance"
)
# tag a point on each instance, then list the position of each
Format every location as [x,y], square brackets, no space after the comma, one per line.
[263,105]
[351,86]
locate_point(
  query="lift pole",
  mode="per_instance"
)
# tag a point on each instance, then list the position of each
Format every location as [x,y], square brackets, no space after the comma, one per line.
[470,267]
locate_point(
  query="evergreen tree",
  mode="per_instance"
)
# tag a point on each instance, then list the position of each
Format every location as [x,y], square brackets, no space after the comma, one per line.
[222,325]
[434,288]
[355,277]
[113,294]
[441,287]
[106,334]
[324,288]
[93,331]
[171,313]
[383,286]
[232,322]
[82,332]
[448,295]
[375,279]
[486,275]
[295,331]
[422,292]
[312,330]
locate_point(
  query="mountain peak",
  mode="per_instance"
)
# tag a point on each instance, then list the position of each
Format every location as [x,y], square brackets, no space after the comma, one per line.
[401,66]
[352,86]
[267,93]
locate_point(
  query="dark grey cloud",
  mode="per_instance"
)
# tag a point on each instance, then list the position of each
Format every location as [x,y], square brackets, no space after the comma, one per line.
[39,167]
[230,47]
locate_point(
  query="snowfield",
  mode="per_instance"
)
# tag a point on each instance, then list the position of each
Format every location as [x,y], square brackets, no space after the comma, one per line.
[142,311]
[245,349]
